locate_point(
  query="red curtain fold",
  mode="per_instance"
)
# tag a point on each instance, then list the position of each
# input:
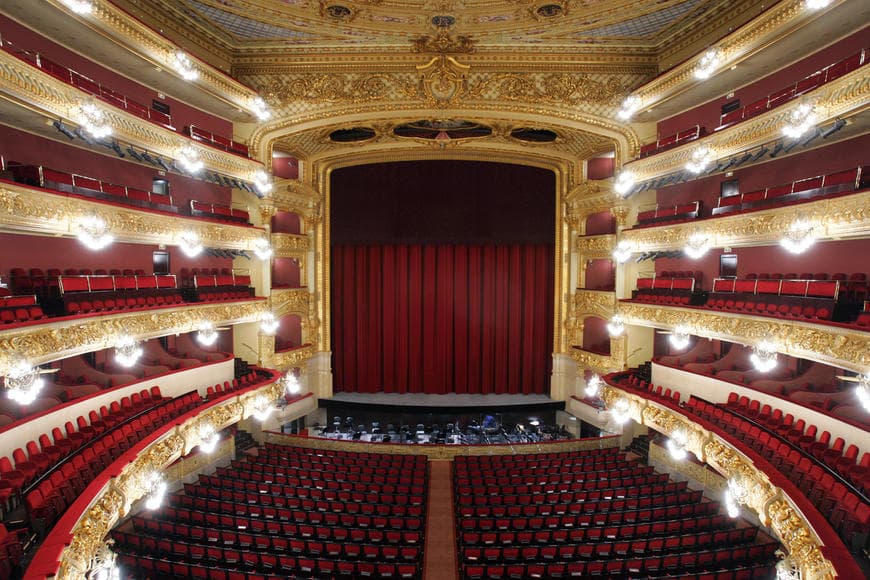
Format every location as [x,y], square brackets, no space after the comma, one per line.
[442,318]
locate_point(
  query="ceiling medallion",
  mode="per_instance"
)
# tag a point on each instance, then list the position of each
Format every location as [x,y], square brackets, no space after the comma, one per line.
[443,43]
[534,135]
[549,9]
[443,21]
[352,135]
[336,11]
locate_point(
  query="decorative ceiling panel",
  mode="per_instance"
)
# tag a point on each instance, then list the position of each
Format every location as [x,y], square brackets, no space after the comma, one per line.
[246,28]
[646,25]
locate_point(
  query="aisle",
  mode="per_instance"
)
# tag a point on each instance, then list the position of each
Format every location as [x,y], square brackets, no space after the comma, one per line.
[440,529]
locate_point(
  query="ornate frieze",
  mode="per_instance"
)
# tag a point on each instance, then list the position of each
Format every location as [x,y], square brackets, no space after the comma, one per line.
[595,246]
[290,245]
[290,301]
[295,196]
[772,505]
[296,358]
[842,347]
[43,343]
[845,216]
[116,498]
[600,363]
[840,98]
[32,210]
[57,100]
[593,302]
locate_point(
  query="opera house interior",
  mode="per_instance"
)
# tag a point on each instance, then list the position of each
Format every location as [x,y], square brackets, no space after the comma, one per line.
[434,289]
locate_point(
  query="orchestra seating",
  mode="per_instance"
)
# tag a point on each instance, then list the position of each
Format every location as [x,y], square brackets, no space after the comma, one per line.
[800,190]
[671,141]
[587,513]
[287,512]
[826,474]
[786,94]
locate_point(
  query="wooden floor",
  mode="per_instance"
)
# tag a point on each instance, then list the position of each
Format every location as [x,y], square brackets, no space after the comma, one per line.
[440,551]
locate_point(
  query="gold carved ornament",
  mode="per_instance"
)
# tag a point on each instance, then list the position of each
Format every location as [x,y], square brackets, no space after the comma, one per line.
[117,497]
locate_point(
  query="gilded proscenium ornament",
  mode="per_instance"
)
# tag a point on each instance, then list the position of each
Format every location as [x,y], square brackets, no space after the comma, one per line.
[58,100]
[596,246]
[296,196]
[775,22]
[838,99]
[57,340]
[115,499]
[845,216]
[444,43]
[290,301]
[33,210]
[128,31]
[841,347]
[290,359]
[600,363]
[770,503]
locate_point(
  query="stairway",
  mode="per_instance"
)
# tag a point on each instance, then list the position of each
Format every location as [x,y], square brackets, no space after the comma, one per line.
[244,441]
[640,446]
[440,553]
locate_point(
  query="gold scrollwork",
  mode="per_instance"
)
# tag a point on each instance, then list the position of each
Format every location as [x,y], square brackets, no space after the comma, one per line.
[594,302]
[290,301]
[558,88]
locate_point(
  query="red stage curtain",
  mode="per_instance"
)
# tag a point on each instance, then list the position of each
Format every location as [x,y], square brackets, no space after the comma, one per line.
[442,318]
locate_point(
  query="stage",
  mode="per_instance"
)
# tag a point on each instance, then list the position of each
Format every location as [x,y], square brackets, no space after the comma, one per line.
[443,403]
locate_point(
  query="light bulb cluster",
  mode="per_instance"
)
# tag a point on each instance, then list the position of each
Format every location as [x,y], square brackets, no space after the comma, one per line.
[94,120]
[261,109]
[207,334]
[184,66]
[209,438]
[263,182]
[291,384]
[268,323]
[190,244]
[862,391]
[800,120]
[262,408]
[156,490]
[616,326]
[679,338]
[799,237]
[262,248]
[817,4]
[707,64]
[697,246]
[621,411]
[623,183]
[700,160]
[188,158]
[763,357]
[788,569]
[79,6]
[127,351]
[622,252]
[593,385]
[93,232]
[676,445]
[23,383]
[735,494]
[630,106]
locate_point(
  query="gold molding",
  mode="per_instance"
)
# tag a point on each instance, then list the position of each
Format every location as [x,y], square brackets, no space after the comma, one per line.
[116,498]
[593,303]
[43,343]
[296,358]
[846,96]
[125,30]
[839,217]
[31,210]
[772,505]
[833,345]
[595,246]
[775,22]
[23,83]
[290,301]
[601,364]
[294,196]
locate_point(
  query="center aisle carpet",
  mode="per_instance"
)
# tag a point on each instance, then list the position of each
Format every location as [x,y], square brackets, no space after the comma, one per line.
[440,550]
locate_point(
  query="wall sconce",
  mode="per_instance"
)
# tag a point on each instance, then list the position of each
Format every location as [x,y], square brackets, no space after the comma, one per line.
[800,120]
[23,382]
[734,496]
[629,107]
[697,246]
[707,64]
[79,6]
[616,326]
[184,66]
[676,445]
[261,109]
[268,323]
[622,252]
[763,356]
[93,232]
[93,120]
[189,159]
[621,411]
[263,248]
[624,182]
[291,383]
[209,438]
[701,158]
[262,408]
[207,334]
[190,244]
[799,237]
[679,338]
[593,385]
[862,390]
[156,490]
[127,351]
[262,182]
